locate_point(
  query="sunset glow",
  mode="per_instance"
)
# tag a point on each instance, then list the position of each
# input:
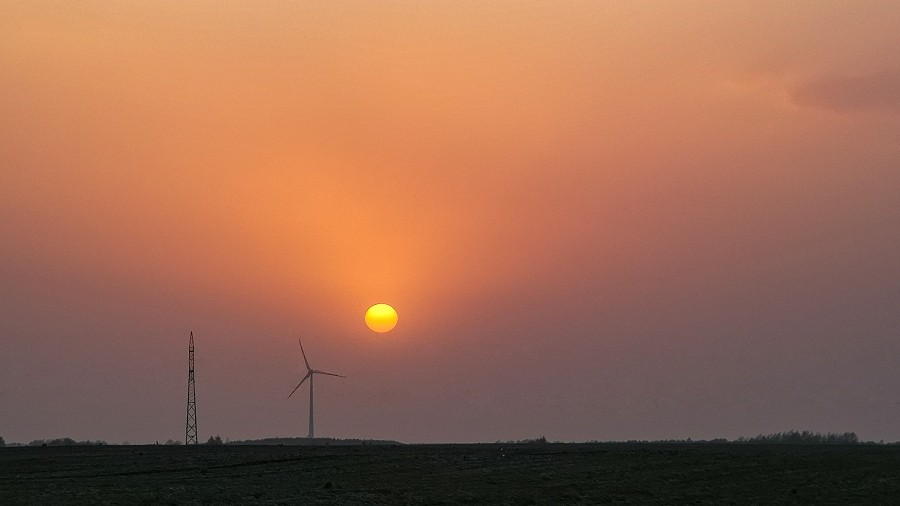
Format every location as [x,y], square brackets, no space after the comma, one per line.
[600,219]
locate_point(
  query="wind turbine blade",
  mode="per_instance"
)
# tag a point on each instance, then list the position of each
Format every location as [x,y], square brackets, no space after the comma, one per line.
[308,368]
[298,384]
[328,373]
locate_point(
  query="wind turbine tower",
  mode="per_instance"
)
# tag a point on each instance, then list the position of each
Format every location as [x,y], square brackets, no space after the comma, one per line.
[310,372]
[190,429]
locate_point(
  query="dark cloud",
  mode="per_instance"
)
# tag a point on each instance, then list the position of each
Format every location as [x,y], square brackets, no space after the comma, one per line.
[875,92]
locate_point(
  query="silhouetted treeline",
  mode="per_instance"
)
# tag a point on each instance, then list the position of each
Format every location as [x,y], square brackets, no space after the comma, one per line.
[539,440]
[63,441]
[303,441]
[789,437]
[805,437]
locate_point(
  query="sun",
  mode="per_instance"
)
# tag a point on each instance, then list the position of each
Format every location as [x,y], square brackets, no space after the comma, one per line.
[381,318]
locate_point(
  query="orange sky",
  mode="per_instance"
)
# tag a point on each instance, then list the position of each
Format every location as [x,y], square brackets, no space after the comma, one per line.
[597,220]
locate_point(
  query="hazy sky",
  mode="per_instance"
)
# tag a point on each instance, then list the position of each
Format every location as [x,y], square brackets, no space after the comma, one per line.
[597,220]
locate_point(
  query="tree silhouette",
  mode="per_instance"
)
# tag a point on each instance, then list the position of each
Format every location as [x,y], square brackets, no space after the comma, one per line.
[805,437]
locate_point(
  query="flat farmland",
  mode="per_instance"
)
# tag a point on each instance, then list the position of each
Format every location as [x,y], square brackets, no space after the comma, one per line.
[452,474]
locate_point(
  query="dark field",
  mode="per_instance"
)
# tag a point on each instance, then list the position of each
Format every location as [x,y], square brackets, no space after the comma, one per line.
[451,474]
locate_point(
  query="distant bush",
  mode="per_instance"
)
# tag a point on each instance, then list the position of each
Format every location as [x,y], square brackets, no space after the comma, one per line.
[2,442]
[214,440]
[173,442]
[64,441]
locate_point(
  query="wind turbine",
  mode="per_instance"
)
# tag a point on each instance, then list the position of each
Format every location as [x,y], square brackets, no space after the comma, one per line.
[310,372]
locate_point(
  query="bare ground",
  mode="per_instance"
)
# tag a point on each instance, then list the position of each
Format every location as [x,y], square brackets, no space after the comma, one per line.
[452,474]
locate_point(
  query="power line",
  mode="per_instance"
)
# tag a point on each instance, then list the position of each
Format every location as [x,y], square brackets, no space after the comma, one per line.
[190,430]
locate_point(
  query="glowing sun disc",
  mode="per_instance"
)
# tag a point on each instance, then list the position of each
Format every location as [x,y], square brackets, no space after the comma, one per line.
[381,318]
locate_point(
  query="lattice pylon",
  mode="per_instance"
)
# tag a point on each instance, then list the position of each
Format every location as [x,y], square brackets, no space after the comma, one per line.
[190,429]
